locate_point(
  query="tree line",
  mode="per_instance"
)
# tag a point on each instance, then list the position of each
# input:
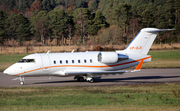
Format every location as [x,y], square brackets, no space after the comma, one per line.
[99,21]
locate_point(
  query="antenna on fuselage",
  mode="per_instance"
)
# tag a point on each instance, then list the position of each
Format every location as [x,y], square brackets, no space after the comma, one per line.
[48,51]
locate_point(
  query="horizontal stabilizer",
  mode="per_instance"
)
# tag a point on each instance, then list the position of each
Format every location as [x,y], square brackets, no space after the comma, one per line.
[157,30]
[144,40]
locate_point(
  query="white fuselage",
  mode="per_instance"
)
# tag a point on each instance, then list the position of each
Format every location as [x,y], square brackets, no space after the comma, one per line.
[56,64]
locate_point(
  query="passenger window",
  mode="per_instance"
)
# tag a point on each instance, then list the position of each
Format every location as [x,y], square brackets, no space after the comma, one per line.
[84,60]
[79,61]
[66,61]
[54,62]
[90,60]
[60,61]
[72,61]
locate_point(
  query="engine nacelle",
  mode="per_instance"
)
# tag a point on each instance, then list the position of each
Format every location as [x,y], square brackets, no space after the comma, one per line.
[108,57]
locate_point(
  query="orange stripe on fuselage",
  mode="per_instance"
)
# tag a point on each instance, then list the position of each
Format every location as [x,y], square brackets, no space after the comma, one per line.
[84,66]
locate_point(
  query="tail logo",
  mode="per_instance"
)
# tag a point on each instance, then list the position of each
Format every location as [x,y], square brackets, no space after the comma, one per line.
[137,48]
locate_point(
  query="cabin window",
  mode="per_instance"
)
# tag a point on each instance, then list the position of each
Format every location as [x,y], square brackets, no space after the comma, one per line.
[72,61]
[84,60]
[66,61]
[90,60]
[60,61]
[54,62]
[26,61]
[79,61]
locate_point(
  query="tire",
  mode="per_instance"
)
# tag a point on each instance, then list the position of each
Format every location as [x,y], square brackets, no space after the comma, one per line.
[21,83]
[80,79]
[91,80]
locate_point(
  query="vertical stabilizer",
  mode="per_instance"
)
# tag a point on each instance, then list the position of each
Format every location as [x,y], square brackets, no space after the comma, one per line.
[144,40]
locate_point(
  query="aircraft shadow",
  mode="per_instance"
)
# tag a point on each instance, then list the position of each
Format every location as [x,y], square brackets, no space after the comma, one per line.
[137,78]
[128,79]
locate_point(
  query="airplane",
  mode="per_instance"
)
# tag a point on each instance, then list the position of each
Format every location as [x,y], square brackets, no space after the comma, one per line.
[89,64]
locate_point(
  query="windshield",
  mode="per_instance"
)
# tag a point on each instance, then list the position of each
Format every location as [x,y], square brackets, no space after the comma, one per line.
[26,61]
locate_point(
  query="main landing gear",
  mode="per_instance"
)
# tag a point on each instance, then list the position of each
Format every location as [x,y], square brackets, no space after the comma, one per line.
[79,78]
[21,80]
[90,79]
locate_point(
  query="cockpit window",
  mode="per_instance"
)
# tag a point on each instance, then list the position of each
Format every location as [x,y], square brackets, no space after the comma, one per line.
[26,61]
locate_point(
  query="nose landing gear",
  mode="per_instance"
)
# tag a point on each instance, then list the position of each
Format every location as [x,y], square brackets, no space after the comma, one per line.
[21,80]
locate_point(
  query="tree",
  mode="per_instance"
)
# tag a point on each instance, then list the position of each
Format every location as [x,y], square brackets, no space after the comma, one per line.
[22,31]
[177,11]
[122,15]
[169,8]
[59,24]
[80,4]
[10,4]
[110,35]
[36,5]
[177,19]
[3,17]
[70,24]
[41,22]
[80,17]
[97,22]
[11,26]
[94,5]
[48,5]
[148,15]
[85,23]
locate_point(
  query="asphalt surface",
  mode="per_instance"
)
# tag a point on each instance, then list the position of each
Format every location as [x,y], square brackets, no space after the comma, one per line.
[145,76]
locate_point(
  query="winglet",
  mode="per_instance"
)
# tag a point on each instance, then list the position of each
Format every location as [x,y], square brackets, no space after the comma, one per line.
[138,68]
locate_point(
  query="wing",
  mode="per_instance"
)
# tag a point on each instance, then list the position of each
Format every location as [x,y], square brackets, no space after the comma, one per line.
[138,68]
[94,72]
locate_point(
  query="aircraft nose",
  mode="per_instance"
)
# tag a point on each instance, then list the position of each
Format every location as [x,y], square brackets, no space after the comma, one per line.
[7,71]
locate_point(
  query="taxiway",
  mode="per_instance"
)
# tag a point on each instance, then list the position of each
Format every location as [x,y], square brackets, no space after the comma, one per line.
[142,77]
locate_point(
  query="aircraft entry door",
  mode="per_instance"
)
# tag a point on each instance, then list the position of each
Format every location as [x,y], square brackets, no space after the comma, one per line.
[45,62]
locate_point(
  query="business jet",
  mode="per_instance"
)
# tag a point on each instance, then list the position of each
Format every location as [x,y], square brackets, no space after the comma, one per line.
[89,64]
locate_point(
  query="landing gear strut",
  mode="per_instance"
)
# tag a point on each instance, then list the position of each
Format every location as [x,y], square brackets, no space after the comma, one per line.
[21,80]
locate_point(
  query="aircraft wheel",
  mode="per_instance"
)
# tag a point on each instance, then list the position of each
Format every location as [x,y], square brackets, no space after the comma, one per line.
[91,80]
[21,83]
[80,79]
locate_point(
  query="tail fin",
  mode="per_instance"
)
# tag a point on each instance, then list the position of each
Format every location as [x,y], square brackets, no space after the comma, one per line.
[144,40]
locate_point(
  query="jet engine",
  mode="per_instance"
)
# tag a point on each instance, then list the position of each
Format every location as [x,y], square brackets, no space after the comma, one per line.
[111,57]
[108,57]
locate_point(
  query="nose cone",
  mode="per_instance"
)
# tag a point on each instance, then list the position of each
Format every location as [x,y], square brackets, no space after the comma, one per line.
[9,71]
[6,71]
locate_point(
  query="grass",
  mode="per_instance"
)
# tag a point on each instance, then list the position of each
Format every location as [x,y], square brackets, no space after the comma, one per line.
[134,97]
[165,54]
[160,59]
[7,60]
[164,59]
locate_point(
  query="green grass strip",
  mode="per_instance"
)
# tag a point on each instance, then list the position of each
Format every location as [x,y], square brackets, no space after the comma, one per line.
[147,96]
